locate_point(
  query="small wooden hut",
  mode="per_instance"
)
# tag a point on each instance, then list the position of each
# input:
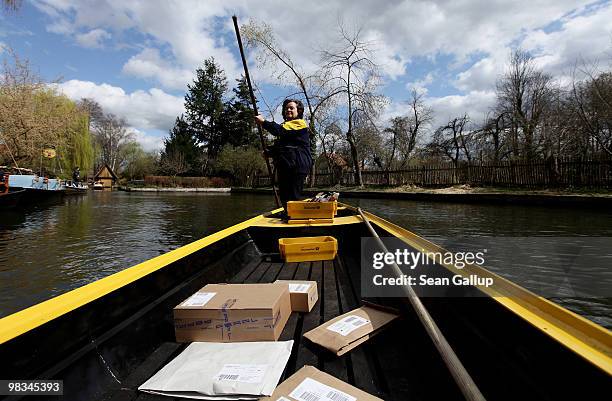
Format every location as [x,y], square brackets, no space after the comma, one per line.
[106,177]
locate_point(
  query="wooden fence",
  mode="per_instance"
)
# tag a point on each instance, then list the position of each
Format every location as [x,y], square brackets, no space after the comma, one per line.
[553,173]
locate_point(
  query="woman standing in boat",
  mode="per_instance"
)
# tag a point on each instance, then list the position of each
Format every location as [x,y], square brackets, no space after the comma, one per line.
[291,150]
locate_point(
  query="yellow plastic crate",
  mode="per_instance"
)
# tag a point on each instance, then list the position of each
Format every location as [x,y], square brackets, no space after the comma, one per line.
[311,210]
[310,221]
[308,249]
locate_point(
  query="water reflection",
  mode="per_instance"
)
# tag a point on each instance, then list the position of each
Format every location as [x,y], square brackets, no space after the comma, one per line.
[50,250]
[551,237]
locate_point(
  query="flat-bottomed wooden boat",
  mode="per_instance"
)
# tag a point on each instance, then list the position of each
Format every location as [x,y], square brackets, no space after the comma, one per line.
[106,338]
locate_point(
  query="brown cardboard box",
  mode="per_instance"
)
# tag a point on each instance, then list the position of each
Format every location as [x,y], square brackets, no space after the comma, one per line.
[304,294]
[310,383]
[233,312]
[347,331]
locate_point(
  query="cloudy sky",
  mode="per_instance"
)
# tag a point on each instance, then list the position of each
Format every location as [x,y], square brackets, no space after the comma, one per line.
[136,57]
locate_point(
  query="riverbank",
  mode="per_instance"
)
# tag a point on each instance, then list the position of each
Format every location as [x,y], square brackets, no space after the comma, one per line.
[160,189]
[465,194]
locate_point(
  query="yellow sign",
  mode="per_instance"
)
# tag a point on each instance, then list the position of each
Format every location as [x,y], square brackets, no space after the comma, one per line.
[49,153]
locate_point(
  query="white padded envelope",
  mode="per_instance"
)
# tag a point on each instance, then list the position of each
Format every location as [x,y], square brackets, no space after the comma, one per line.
[222,371]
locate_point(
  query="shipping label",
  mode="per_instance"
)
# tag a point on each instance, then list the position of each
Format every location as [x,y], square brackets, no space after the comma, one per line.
[242,372]
[347,325]
[199,299]
[312,390]
[302,287]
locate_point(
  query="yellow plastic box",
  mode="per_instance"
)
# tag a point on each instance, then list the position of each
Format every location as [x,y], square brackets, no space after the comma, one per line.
[310,221]
[308,249]
[311,210]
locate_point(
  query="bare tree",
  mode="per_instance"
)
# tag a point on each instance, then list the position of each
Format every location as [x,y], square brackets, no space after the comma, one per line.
[94,112]
[451,141]
[111,135]
[494,136]
[406,130]
[353,74]
[591,102]
[174,163]
[524,92]
[315,90]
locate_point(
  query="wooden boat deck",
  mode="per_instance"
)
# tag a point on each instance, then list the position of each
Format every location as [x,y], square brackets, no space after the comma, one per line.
[378,367]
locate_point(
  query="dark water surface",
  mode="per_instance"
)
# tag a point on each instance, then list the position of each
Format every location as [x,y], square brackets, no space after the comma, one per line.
[49,250]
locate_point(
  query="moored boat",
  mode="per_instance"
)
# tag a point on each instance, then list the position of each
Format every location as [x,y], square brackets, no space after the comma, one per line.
[10,199]
[106,338]
[37,189]
[75,188]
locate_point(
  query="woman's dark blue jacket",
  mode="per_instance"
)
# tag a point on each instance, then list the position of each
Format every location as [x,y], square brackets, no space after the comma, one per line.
[291,150]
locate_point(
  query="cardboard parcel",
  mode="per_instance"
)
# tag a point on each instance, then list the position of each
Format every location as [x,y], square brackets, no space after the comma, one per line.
[347,331]
[220,371]
[233,313]
[304,294]
[310,384]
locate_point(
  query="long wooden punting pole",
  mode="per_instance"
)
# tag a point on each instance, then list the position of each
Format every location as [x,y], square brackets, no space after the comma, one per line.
[261,137]
[462,377]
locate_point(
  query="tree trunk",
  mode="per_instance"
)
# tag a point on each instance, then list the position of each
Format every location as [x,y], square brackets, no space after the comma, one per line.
[355,157]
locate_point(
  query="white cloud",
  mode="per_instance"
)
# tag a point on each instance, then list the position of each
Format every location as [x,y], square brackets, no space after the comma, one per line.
[93,38]
[149,64]
[176,37]
[143,110]
[194,30]
[482,75]
[149,142]
[421,85]
[392,110]
[389,60]
[583,37]
[475,104]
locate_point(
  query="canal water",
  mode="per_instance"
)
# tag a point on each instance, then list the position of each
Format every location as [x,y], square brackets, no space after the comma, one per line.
[46,251]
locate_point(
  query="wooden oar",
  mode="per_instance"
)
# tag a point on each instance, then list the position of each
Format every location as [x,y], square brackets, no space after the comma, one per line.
[462,377]
[261,137]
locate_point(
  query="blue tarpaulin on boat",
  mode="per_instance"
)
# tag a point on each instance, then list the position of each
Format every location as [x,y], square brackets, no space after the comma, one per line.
[35,182]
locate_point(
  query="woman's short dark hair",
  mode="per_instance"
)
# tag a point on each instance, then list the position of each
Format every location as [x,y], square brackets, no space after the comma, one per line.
[298,103]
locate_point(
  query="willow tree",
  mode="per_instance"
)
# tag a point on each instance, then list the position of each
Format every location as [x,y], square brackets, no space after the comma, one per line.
[79,149]
[34,116]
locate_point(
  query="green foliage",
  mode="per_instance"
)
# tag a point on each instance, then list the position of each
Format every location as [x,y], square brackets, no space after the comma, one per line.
[136,162]
[204,105]
[181,153]
[79,149]
[211,122]
[241,163]
[239,116]
[33,117]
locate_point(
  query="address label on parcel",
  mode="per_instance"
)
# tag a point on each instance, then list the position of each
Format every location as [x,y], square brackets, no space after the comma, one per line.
[312,390]
[199,299]
[347,325]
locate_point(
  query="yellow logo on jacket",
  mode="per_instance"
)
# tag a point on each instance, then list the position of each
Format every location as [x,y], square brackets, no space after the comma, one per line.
[294,125]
